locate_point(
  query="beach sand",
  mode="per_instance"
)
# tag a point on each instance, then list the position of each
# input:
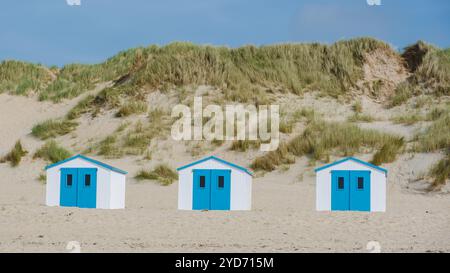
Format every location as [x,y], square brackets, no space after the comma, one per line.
[282,219]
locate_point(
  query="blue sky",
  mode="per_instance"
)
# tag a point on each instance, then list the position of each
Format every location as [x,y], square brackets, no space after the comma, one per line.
[55,33]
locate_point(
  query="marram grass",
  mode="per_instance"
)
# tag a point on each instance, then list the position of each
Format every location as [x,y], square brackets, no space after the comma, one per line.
[321,139]
[161,173]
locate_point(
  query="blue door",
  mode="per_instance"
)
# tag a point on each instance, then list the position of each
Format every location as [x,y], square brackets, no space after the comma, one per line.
[220,189]
[211,190]
[201,196]
[340,190]
[68,187]
[360,190]
[87,188]
[78,187]
[350,190]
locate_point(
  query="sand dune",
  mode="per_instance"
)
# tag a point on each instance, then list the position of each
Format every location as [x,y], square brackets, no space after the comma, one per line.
[283,218]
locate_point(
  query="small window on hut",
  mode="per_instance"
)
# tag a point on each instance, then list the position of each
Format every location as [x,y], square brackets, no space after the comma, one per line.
[202,181]
[360,183]
[87,180]
[69,180]
[340,183]
[221,182]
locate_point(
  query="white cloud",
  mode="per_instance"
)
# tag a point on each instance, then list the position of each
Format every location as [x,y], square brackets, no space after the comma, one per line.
[73,2]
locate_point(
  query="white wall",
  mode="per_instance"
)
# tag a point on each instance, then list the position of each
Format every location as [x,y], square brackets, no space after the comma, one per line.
[377,185]
[323,190]
[118,185]
[241,185]
[241,190]
[185,189]
[105,179]
[52,188]
[378,191]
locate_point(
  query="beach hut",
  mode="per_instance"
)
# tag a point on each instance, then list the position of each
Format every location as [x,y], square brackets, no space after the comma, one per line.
[351,184]
[214,184]
[83,182]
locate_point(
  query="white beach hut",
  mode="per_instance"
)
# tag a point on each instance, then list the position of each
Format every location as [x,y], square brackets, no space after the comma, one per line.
[83,182]
[214,184]
[351,184]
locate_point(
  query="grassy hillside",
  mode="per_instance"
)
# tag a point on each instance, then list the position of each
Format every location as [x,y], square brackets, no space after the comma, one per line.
[56,84]
[240,72]
[294,67]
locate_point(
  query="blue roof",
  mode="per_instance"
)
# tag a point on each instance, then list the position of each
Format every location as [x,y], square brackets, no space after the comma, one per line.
[354,159]
[217,159]
[96,162]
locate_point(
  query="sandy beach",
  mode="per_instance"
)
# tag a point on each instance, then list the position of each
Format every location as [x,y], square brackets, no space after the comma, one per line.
[282,219]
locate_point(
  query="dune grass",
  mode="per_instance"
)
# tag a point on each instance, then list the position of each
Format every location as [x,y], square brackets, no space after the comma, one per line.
[135,139]
[434,70]
[53,128]
[243,73]
[408,119]
[438,112]
[286,126]
[75,79]
[329,68]
[161,173]
[20,78]
[52,152]
[108,147]
[67,82]
[430,68]
[357,107]
[360,117]
[308,113]
[271,160]
[440,172]
[15,155]
[388,152]
[413,118]
[402,93]
[82,107]
[321,139]
[436,136]
[131,108]
[244,145]
[287,122]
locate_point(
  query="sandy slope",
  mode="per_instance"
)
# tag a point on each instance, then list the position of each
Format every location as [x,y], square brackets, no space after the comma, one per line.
[19,114]
[283,216]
